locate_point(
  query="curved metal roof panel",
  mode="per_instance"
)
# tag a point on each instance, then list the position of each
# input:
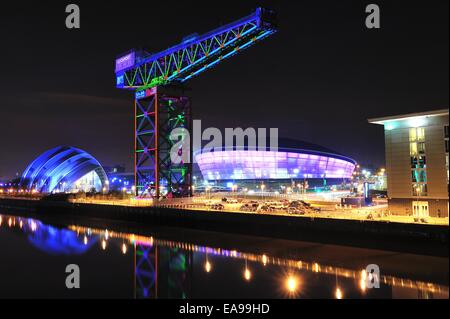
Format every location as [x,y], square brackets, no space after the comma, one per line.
[62,164]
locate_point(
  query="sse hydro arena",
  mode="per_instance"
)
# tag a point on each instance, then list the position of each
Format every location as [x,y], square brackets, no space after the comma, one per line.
[294,161]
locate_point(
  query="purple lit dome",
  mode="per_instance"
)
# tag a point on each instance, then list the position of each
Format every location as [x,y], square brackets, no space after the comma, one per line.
[293,160]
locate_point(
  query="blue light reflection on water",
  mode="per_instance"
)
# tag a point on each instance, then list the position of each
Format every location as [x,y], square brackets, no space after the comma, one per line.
[56,241]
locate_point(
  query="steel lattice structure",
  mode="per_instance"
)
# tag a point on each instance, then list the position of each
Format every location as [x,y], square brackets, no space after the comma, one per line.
[162,272]
[146,271]
[163,110]
[159,109]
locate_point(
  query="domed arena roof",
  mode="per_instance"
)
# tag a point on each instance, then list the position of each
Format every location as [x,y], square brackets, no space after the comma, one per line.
[64,168]
[293,160]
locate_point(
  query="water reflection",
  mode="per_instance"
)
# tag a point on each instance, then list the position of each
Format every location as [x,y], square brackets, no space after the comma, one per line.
[174,269]
[56,241]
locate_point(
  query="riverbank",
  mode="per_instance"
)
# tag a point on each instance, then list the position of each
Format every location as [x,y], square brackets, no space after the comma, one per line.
[412,238]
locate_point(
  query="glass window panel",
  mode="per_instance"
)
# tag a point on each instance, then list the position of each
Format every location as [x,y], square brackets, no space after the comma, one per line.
[413,148]
[421,148]
[421,134]
[412,134]
[423,176]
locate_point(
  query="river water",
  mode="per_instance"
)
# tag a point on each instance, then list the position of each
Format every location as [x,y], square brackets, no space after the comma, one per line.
[180,263]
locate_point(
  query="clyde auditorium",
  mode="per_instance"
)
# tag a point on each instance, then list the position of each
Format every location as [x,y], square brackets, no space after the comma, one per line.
[294,160]
[65,169]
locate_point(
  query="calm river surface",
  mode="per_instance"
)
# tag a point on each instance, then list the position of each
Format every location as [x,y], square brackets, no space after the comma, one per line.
[178,263]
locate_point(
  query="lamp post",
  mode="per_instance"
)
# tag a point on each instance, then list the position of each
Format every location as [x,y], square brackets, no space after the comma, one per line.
[208,189]
[234,190]
[262,190]
[305,187]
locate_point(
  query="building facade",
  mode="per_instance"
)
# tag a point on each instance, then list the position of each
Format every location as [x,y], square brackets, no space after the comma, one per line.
[294,163]
[65,169]
[417,163]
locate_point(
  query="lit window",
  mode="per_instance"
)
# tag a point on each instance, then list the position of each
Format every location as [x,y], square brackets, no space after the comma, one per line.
[421,147]
[417,134]
[419,189]
[413,148]
[412,134]
[418,161]
[421,134]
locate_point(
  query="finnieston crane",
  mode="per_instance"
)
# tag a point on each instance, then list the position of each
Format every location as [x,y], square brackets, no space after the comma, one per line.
[162,102]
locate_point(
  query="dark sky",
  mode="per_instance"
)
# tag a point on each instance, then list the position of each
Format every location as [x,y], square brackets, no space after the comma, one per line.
[318,79]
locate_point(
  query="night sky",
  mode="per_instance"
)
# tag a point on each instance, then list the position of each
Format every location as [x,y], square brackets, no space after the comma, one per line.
[318,79]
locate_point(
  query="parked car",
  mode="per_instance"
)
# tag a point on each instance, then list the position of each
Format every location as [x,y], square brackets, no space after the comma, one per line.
[277,207]
[246,208]
[305,203]
[264,208]
[296,211]
[217,206]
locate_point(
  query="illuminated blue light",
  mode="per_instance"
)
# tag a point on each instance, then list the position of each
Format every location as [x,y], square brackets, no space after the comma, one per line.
[140,94]
[56,241]
[229,54]
[211,53]
[60,165]
[120,81]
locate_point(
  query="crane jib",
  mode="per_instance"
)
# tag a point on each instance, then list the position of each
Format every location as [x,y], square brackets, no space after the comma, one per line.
[139,70]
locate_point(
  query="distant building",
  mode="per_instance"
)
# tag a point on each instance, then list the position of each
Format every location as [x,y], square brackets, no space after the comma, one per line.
[119,178]
[117,169]
[417,163]
[121,181]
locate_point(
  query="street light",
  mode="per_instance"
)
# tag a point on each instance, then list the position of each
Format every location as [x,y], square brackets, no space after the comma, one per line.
[207,266]
[264,260]
[338,293]
[234,189]
[262,190]
[247,274]
[208,189]
[292,284]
